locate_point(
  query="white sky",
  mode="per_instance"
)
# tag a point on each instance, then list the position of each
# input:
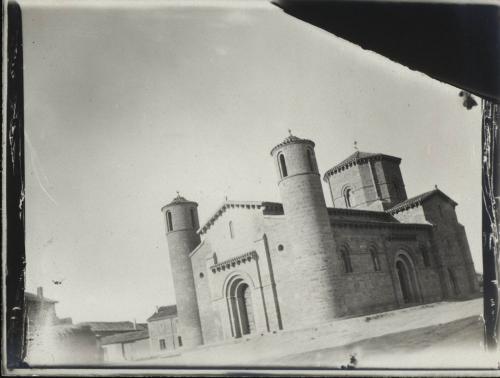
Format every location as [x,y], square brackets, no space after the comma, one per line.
[126,105]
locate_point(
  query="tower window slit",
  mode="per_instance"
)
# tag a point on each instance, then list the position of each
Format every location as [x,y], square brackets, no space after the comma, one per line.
[169,221]
[282,164]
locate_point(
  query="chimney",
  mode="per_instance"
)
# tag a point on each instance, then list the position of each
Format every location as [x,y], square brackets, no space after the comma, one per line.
[39,292]
[135,324]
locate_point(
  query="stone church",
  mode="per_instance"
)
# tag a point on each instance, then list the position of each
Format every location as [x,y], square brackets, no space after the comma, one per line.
[260,267]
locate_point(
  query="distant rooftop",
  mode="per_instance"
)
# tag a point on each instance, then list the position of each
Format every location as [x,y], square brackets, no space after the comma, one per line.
[112,326]
[164,312]
[30,297]
[126,337]
[69,329]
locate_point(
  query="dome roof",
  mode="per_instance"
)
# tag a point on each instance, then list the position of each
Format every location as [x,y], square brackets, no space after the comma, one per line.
[292,139]
[179,200]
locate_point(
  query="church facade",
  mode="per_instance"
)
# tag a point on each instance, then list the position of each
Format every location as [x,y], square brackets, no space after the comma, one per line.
[260,267]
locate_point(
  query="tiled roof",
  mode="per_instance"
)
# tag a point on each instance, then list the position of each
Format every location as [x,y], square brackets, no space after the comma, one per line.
[164,312]
[417,200]
[110,326]
[126,337]
[355,158]
[35,298]
[239,204]
[292,139]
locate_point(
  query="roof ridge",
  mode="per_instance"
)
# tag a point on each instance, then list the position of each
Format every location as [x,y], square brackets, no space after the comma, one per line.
[230,204]
[416,200]
[163,312]
[354,158]
[126,336]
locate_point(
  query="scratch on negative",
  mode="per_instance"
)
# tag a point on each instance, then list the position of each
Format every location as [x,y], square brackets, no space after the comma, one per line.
[12,131]
[33,164]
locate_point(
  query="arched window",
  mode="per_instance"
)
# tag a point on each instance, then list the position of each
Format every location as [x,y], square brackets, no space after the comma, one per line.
[375,260]
[282,164]
[453,282]
[193,219]
[348,197]
[310,160]
[425,256]
[231,230]
[170,227]
[346,259]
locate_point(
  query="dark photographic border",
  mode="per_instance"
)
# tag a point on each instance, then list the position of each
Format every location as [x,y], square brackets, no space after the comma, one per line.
[472,41]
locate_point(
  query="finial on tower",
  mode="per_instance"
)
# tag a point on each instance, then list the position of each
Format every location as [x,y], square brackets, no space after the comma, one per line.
[356,145]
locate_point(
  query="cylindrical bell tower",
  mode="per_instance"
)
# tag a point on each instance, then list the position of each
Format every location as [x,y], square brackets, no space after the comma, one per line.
[308,291]
[181,223]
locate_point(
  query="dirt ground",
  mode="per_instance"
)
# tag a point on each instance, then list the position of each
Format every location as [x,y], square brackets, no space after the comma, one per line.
[439,335]
[429,347]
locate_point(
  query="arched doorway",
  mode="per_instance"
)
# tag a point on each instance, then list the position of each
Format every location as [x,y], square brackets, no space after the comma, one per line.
[407,277]
[239,297]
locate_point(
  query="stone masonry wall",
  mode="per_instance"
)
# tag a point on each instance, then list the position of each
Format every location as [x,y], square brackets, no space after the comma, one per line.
[359,179]
[451,241]
[366,290]
[210,319]
[212,283]
[390,182]
[376,185]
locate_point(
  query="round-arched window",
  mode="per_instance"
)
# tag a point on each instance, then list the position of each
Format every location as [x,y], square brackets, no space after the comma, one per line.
[346,259]
[348,197]
[282,164]
[170,226]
